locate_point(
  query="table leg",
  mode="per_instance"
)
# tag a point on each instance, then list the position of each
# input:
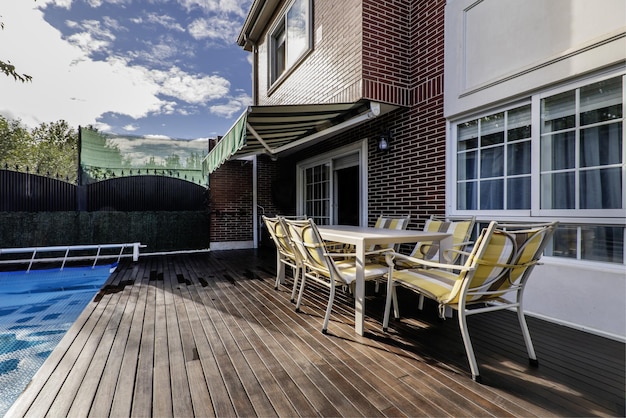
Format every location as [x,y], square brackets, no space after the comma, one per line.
[444,245]
[359,289]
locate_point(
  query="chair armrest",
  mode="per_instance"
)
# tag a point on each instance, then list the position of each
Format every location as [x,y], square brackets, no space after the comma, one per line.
[392,256]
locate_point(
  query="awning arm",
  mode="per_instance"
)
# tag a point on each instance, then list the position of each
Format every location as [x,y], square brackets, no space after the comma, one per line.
[258,138]
[375,111]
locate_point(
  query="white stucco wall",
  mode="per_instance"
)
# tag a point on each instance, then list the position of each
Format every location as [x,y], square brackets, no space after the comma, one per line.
[499,51]
[496,50]
[587,296]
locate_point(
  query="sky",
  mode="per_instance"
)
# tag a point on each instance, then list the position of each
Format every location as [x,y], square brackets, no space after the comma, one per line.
[157,68]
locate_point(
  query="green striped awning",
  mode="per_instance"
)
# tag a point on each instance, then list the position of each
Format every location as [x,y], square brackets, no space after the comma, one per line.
[275,129]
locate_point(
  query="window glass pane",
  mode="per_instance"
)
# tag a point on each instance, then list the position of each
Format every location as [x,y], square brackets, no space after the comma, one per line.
[558,151]
[518,124]
[492,130]
[492,194]
[603,243]
[518,193]
[601,189]
[467,167]
[558,112]
[467,135]
[279,54]
[601,145]
[563,242]
[467,196]
[297,30]
[492,162]
[601,101]
[518,158]
[557,191]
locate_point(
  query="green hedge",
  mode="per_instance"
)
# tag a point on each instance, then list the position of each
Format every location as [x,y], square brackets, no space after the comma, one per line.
[160,231]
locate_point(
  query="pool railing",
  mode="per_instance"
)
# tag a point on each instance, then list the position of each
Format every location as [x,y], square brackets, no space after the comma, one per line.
[67,250]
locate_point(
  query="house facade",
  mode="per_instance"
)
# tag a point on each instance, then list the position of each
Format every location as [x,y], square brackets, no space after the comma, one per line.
[500,109]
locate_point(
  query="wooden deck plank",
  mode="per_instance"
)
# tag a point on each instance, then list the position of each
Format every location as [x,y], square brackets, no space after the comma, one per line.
[125,387]
[278,403]
[283,322]
[94,375]
[182,391]
[207,335]
[105,391]
[162,387]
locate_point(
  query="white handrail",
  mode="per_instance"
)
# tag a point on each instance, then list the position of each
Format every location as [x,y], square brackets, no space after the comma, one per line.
[68,249]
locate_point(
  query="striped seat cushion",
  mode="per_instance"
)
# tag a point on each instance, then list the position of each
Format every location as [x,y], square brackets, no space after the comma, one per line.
[389,223]
[428,251]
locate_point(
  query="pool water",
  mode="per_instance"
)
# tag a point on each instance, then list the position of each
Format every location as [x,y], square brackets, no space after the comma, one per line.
[36,310]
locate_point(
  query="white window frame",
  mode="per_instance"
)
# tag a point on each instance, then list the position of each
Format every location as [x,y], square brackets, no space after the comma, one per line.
[359,147]
[571,217]
[281,24]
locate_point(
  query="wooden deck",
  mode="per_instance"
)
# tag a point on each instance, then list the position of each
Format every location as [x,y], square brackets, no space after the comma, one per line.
[207,335]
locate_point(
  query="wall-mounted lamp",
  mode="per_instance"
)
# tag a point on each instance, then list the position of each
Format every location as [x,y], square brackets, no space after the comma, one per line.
[383,141]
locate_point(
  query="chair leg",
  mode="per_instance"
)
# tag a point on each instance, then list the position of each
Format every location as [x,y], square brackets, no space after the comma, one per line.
[302,283]
[296,278]
[390,290]
[396,307]
[532,357]
[468,345]
[280,268]
[329,308]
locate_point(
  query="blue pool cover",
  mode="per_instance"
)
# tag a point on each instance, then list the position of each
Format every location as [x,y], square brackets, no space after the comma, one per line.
[36,309]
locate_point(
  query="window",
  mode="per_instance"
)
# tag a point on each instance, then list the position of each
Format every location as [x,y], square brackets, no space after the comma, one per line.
[317,193]
[290,39]
[493,161]
[558,157]
[581,147]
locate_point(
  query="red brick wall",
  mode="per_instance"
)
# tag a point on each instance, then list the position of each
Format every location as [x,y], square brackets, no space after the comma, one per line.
[331,73]
[386,50]
[402,62]
[410,178]
[230,191]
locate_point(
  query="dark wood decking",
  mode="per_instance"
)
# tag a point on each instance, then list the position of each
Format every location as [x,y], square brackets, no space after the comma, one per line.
[207,335]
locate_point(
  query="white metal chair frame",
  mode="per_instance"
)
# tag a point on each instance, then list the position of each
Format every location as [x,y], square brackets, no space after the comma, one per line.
[512,276]
[318,264]
[286,252]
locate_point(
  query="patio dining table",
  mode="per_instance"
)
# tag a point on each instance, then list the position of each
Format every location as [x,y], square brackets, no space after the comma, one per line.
[364,237]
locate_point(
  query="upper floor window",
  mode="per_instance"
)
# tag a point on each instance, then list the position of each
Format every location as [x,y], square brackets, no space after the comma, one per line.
[290,39]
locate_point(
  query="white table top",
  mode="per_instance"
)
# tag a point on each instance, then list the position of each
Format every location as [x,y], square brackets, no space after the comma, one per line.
[352,234]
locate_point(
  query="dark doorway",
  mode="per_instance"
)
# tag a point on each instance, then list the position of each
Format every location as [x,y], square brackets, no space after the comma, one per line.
[347,192]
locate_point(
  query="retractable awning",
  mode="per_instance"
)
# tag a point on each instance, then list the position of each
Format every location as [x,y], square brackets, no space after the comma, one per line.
[276,129]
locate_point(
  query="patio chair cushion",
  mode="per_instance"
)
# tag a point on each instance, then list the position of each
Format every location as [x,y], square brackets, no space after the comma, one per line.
[460,230]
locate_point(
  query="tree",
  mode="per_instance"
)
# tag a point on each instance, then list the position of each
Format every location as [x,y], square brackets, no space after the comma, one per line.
[9,69]
[55,146]
[49,148]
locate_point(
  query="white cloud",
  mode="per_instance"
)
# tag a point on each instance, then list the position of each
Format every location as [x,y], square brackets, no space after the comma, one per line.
[68,85]
[236,7]
[233,107]
[189,87]
[215,28]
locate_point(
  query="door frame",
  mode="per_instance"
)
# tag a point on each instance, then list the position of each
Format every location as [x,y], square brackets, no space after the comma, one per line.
[359,147]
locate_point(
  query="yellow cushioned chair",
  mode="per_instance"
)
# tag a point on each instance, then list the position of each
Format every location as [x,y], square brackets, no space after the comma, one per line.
[499,265]
[285,252]
[460,229]
[319,264]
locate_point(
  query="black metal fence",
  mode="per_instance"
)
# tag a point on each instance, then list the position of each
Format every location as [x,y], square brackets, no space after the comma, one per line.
[25,192]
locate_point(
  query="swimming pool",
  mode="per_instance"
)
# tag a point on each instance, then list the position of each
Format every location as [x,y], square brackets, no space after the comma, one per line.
[36,310]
